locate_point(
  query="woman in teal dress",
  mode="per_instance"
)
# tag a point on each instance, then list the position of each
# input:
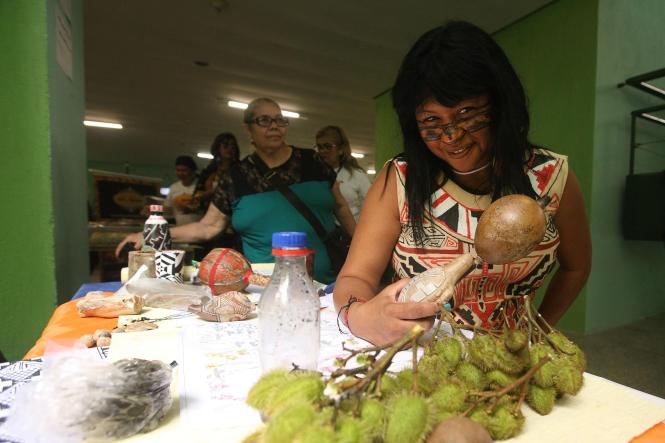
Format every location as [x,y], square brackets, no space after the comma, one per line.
[247,196]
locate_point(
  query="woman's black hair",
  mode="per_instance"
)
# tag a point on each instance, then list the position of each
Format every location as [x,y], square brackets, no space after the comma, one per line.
[451,63]
[223,139]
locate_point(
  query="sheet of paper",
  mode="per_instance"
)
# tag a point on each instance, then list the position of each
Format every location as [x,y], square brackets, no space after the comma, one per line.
[602,412]
[218,364]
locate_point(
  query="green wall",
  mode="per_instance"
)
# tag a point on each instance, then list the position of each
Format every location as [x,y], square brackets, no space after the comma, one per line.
[543,47]
[626,283]
[44,221]
[28,289]
[388,136]
[68,154]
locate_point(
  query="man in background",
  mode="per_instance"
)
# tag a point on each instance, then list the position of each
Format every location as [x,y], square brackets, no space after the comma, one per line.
[181,193]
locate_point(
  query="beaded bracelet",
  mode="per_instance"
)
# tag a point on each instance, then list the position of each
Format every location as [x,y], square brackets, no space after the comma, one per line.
[345,309]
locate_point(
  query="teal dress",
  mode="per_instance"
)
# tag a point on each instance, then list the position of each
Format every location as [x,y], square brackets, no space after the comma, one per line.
[257,208]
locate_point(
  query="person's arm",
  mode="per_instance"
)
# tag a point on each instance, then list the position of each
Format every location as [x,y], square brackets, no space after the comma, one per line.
[342,211]
[212,223]
[574,253]
[379,318]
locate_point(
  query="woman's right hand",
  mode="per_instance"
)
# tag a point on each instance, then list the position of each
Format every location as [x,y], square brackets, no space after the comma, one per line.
[383,320]
[136,238]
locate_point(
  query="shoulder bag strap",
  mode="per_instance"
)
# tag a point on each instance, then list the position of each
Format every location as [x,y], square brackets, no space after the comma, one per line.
[271,177]
[304,211]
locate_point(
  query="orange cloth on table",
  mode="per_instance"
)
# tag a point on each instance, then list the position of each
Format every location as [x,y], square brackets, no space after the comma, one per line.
[655,434]
[66,325]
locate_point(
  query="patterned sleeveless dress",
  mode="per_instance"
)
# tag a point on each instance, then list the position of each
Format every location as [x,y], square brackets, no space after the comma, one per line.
[450,229]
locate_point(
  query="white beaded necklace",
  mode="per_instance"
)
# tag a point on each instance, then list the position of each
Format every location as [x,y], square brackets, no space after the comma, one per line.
[473,171]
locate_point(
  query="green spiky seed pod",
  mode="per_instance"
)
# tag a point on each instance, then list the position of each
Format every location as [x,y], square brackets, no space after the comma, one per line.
[482,351]
[305,386]
[450,397]
[569,348]
[490,353]
[480,416]
[544,377]
[409,419]
[569,379]
[404,379]
[450,349]
[499,379]
[540,399]
[432,370]
[289,422]
[471,375]
[389,386]
[504,423]
[372,417]
[350,430]
[260,394]
[507,361]
[515,339]
[349,405]
[317,434]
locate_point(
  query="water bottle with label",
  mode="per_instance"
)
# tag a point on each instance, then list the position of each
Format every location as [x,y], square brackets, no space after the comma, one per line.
[156,234]
[289,319]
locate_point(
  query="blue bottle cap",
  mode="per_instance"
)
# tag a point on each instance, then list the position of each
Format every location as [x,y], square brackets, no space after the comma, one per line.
[289,240]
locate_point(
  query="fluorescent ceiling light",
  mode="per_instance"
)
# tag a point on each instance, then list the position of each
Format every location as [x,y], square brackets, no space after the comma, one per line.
[102,124]
[653,117]
[357,155]
[237,105]
[290,114]
[205,155]
[371,171]
[241,105]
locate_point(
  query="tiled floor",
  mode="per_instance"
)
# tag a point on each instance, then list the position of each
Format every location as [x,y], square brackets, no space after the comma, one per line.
[633,355]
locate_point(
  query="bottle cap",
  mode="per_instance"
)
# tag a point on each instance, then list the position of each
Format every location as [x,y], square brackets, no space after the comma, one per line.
[156,208]
[289,240]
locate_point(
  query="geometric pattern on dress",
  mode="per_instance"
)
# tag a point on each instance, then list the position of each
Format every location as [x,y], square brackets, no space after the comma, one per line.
[459,218]
[482,296]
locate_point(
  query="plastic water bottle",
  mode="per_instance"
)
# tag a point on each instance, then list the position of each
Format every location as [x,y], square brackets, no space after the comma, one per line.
[289,319]
[156,234]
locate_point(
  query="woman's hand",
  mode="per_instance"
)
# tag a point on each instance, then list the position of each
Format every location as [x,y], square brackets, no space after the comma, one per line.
[382,320]
[136,238]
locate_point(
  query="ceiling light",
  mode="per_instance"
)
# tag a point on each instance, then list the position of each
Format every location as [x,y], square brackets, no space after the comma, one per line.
[357,155]
[237,105]
[241,105]
[97,124]
[205,155]
[290,114]
[371,171]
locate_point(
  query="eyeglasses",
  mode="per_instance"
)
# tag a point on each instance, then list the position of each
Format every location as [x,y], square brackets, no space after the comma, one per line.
[325,146]
[265,121]
[457,128]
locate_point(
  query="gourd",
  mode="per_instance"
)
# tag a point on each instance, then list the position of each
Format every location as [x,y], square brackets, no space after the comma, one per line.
[509,229]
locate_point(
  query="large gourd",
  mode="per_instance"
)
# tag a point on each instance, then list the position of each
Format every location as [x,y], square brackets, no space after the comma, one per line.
[509,229]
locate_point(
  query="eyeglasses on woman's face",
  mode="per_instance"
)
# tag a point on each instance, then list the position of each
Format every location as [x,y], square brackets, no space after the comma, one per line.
[475,121]
[266,121]
[325,147]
